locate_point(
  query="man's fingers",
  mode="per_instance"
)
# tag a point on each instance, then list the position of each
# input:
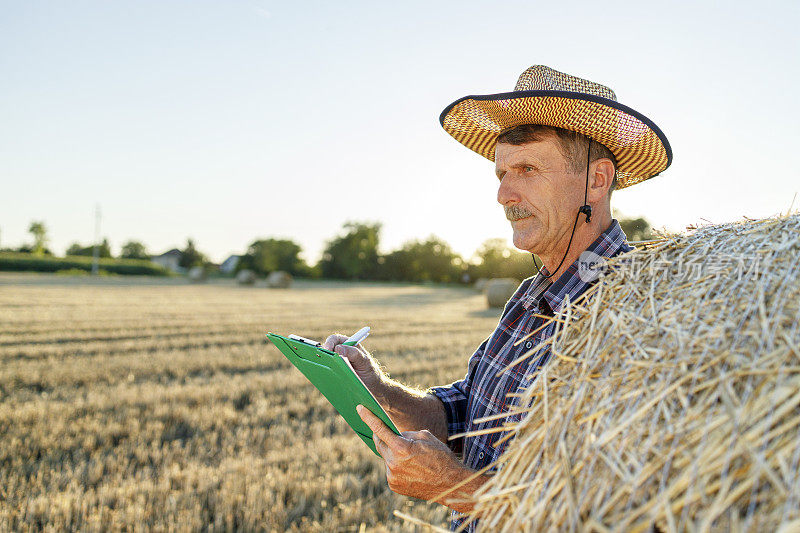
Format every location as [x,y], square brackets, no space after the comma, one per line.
[414,435]
[383,449]
[357,359]
[421,435]
[333,340]
[378,427]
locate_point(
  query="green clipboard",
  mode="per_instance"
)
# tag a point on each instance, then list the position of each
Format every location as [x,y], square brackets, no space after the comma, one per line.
[333,376]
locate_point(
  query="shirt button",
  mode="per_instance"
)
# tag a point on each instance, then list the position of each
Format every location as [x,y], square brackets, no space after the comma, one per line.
[480,455]
[528,345]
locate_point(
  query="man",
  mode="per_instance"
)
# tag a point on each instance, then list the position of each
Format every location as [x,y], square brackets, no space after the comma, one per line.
[561,145]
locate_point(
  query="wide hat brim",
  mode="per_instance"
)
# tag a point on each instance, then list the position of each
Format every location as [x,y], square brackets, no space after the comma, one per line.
[640,147]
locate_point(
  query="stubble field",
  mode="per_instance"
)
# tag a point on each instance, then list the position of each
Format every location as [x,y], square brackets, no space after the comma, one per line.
[144,404]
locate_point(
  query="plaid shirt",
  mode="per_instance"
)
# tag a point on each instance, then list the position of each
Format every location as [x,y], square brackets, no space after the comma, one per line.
[482,393]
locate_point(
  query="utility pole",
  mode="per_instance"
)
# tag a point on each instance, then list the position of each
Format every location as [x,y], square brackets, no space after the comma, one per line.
[96,250]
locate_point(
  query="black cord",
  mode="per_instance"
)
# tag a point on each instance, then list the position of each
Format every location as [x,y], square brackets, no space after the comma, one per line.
[585,209]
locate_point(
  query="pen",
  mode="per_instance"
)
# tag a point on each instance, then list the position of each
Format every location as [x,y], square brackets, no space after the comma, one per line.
[357,337]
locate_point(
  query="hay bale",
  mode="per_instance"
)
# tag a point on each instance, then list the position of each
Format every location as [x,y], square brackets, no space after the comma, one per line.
[672,396]
[480,284]
[499,290]
[279,280]
[245,277]
[197,274]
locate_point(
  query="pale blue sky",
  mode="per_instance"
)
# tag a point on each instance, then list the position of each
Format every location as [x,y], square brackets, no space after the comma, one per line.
[228,121]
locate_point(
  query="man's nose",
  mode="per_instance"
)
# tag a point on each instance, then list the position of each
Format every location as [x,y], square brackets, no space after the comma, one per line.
[506,192]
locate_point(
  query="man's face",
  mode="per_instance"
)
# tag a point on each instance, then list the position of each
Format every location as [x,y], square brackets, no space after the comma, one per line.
[540,195]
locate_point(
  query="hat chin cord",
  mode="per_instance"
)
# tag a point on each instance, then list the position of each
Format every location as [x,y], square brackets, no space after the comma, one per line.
[585,209]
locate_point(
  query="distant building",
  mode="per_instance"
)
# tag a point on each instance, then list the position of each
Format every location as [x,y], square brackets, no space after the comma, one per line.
[229,265]
[170,260]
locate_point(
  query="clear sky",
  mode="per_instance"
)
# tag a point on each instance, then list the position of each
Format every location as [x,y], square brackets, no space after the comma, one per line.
[231,120]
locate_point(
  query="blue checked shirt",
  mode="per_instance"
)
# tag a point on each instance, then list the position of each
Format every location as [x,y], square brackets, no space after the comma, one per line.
[482,393]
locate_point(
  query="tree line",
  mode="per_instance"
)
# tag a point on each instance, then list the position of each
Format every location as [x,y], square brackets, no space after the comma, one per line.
[354,254]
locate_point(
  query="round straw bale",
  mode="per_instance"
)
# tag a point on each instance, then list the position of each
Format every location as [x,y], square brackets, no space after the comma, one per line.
[279,280]
[246,277]
[499,290]
[673,403]
[480,284]
[197,274]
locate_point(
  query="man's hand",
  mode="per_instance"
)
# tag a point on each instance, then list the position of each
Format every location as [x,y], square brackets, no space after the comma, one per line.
[365,366]
[409,408]
[417,463]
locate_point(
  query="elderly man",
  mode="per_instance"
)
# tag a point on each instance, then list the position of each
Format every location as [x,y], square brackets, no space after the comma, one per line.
[561,145]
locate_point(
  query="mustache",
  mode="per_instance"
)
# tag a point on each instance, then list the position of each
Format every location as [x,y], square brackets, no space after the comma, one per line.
[516,212]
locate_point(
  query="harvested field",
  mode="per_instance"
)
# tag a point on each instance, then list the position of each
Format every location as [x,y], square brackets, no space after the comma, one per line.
[158,404]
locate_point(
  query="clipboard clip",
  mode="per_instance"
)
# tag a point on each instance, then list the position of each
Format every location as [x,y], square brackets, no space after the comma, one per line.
[304,340]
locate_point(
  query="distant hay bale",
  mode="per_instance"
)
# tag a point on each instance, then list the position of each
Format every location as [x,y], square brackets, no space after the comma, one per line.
[671,399]
[279,280]
[245,277]
[499,290]
[197,274]
[480,284]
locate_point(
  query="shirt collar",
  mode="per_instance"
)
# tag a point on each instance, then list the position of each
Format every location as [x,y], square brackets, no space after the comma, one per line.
[608,244]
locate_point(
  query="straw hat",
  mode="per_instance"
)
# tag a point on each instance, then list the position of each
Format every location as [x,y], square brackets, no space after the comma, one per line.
[551,98]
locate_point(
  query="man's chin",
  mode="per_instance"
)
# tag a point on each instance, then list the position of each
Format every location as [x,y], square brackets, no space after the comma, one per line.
[525,241]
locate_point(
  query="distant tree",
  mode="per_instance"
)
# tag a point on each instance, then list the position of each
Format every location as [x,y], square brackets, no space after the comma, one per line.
[105,249]
[636,229]
[394,266]
[353,255]
[77,249]
[428,260]
[191,257]
[491,256]
[496,259]
[267,255]
[39,232]
[134,250]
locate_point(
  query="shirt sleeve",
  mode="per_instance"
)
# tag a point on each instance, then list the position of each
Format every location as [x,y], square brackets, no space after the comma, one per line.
[454,397]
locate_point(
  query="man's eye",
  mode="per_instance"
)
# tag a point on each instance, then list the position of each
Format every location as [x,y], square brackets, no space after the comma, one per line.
[528,168]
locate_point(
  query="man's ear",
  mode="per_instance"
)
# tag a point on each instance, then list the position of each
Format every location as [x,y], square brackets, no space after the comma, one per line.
[601,176]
